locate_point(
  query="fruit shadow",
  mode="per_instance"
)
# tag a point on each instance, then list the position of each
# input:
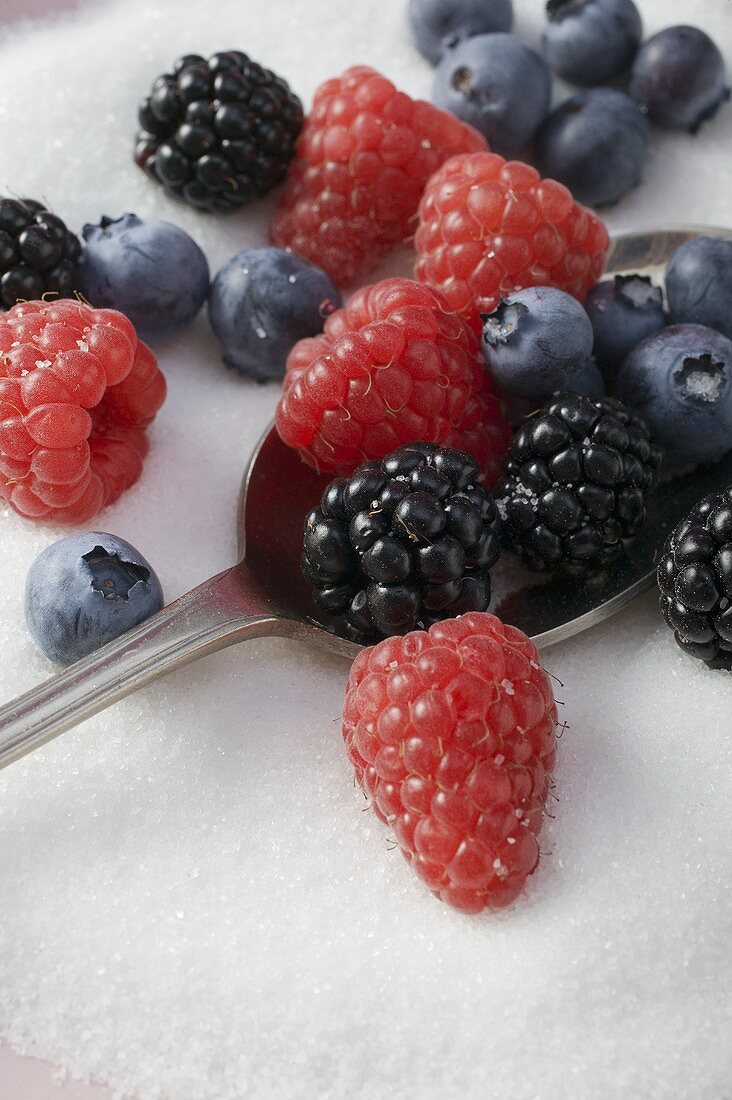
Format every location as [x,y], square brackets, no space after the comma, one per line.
[610,803]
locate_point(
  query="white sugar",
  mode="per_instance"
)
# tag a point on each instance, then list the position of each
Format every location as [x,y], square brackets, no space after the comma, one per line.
[194,906]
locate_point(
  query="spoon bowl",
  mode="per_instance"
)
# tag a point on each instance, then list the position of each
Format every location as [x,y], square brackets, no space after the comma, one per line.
[266,594]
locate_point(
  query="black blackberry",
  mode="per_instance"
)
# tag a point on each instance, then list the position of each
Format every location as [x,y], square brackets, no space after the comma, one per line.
[575,482]
[695,579]
[38,254]
[403,542]
[218,133]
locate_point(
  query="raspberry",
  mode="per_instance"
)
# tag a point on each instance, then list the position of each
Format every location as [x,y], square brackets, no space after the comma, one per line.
[488,226]
[394,366]
[77,391]
[452,734]
[362,161]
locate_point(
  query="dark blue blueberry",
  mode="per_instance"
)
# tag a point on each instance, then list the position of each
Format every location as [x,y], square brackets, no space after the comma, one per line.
[151,271]
[680,381]
[595,144]
[587,379]
[590,41]
[536,341]
[262,302]
[438,24]
[622,311]
[699,284]
[85,590]
[498,85]
[679,78]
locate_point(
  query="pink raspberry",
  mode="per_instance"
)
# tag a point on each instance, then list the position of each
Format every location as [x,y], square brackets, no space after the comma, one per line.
[77,390]
[395,365]
[362,161]
[488,226]
[452,734]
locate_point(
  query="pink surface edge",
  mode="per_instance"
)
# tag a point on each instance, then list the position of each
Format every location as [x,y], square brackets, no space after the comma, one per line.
[26,1078]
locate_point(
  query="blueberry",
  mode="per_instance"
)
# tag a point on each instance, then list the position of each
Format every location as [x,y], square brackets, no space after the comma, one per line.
[678,78]
[85,590]
[595,144]
[438,24]
[536,341]
[498,85]
[262,302]
[623,311]
[680,381]
[590,41]
[699,284]
[587,379]
[151,271]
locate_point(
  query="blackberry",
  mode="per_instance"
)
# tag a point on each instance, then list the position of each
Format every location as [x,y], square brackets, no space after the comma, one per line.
[218,133]
[404,542]
[576,477]
[695,579]
[38,254]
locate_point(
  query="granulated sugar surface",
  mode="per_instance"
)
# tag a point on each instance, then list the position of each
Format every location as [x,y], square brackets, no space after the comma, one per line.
[194,905]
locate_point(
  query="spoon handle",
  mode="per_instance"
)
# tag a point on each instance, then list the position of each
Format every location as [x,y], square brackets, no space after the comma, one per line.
[226,609]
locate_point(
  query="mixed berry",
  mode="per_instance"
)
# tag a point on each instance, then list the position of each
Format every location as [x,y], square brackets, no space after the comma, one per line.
[86,590]
[404,542]
[151,271]
[679,78]
[77,392]
[38,254]
[393,366]
[695,580]
[452,735]
[680,381]
[699,284]
[589,42]
[536,342]
[262,302]
[437,25]
[498,85]
[488,226]
[363,159]
[218,132]
[405,391]
[576,479]
[622,311]
[596,144]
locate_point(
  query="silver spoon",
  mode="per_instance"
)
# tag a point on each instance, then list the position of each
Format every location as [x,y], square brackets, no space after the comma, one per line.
[266,595]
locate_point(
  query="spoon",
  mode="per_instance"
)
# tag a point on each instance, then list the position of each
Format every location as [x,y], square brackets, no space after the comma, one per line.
[266,595]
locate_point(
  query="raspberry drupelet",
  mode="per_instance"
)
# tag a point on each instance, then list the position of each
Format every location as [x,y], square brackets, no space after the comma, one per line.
[488,227]
[452,735]
[77,391]
[392,366]
[361,164]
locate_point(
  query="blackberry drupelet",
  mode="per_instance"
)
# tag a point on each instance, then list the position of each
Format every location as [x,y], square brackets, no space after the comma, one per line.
[218,133]
[404,542]
[38,254]
[575,482]
[695,579]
